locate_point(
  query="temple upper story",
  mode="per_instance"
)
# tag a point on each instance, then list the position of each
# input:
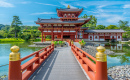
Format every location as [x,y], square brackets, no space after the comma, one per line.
[68,17]
[69,14]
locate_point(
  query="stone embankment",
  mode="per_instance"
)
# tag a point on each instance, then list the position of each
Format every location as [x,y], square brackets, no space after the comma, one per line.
[120,72]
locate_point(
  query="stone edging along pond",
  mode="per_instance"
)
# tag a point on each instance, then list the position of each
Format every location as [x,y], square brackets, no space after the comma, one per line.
[119,72]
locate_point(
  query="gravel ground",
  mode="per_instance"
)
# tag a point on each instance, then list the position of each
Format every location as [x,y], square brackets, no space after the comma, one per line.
[120,72]
[92,50]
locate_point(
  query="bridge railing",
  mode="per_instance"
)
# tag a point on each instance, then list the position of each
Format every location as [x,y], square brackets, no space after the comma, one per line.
[24,71]
[77,40]
[69,42]
[96,68]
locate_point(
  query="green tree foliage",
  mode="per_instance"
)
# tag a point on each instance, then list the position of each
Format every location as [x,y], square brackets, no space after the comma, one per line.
[1,26]
[127,33]
[92,23]
[15,25]
[112,27]
[6,28]
[100,27]
[123,24]
[1,33]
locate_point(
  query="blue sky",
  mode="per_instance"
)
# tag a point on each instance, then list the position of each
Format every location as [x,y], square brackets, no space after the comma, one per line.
[106,12]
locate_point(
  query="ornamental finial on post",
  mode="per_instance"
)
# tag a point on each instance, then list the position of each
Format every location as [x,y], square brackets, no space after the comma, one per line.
[100,56]
[68,6]
[14,55]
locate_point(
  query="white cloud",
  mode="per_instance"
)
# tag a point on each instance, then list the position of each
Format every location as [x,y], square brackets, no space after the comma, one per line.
[109,18]
[27,21]
[114,19]
[126,6]
[66,5]
[5,4]
[25,2]
[47,4]
[43,13]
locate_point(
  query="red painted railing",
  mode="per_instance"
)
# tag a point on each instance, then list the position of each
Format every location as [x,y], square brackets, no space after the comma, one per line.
[96,71]
[69,42]
[29,67]
[77,40]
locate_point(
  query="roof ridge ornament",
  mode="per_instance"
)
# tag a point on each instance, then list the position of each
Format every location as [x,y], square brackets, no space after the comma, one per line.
[68,6]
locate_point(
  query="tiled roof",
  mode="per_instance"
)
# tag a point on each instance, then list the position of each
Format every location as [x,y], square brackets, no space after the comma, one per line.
[55,20]
[104,30]
[70,9]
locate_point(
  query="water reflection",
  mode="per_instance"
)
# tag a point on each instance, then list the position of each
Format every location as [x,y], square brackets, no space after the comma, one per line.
[121,54]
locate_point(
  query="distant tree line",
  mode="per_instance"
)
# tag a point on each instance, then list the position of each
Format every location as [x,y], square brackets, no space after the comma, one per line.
[17,30]
[92,24]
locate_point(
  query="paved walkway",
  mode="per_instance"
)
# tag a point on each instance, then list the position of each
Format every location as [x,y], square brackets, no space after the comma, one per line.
[60,65]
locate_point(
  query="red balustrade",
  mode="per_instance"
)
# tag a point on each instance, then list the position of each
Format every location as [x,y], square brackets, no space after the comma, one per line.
[30,66]
[69,42]
[96,71]
[77,40]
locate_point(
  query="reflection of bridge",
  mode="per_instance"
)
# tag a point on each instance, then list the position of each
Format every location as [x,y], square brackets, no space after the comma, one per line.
[58,64]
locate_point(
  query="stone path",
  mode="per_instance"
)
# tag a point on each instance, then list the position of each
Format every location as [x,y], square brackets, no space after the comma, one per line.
[60,65]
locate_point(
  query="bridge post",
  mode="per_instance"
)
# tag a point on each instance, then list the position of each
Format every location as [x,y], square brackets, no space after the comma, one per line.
[70,42]
[15,72]
[53,47]
[101,64]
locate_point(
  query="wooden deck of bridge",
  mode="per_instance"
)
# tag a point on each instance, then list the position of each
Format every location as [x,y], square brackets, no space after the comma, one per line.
[60,65]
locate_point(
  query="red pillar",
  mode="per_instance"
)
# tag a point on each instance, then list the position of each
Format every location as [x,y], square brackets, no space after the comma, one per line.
[110,36]
[83,33]
[42,36]
[15,72]
[101,64]
[76,34]
[93,36]
[116,36]
[62,33]
[104,36]
[101,70]
[121,36]
[99,36]
[52,33]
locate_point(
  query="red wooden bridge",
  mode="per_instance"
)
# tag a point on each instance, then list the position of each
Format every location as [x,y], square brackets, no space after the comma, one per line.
[63,63]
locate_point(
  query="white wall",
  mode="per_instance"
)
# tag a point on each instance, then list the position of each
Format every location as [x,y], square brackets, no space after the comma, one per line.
[96,39]
[89,37]
[102,34]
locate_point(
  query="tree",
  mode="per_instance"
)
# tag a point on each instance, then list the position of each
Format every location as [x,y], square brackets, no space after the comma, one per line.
[92,23]
[123,24]
[1,26]
[15,25]
[100,27]
[112,27]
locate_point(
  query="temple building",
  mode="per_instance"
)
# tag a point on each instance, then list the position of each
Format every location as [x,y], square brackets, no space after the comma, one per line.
[69,26]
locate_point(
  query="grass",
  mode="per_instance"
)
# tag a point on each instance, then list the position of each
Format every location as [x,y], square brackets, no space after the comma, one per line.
[11,40]
[39,39]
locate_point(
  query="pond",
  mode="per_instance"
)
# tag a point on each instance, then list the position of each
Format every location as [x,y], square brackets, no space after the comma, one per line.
[121,56]
[5,51]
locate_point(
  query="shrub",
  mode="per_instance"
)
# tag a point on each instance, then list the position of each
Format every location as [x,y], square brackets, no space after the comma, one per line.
[54,42]
[11,40]
[82,43]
